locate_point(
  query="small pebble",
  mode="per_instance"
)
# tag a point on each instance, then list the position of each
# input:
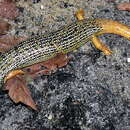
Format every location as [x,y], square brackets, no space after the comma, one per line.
[128,59]
[50,117]
[42,7]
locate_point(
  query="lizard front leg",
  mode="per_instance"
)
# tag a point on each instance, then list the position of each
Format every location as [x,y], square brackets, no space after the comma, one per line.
[97,43]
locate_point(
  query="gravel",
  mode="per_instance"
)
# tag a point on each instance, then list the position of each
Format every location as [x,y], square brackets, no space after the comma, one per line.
[92,92]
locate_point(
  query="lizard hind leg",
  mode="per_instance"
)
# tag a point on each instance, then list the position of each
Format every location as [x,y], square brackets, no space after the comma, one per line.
[99,45]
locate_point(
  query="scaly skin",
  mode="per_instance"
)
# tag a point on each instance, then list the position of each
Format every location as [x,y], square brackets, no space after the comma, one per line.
[64,40]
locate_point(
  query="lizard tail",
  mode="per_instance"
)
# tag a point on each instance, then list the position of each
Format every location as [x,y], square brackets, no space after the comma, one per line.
[110,26]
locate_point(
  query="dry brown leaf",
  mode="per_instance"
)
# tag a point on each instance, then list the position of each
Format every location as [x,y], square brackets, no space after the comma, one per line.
[50,65]
[124,6]
[8,41]
[4,27]
[19,92]
[7,1]
[8,9]
[10,1]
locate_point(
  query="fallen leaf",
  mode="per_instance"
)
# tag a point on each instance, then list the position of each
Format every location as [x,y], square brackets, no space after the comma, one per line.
[4,27]
[9,41]
[8,1]
[19,92]
[48,66]
[8,9]
[124,6]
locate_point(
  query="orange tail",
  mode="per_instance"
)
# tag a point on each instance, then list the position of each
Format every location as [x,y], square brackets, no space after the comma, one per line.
[109,26]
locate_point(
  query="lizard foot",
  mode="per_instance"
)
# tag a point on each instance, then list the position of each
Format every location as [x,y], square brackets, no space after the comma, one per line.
[80,14]
[99,45]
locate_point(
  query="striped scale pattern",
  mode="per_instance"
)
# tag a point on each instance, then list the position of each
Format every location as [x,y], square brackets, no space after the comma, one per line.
[46,46]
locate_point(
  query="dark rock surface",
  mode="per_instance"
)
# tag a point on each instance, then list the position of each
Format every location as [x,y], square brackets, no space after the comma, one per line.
[91,93]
